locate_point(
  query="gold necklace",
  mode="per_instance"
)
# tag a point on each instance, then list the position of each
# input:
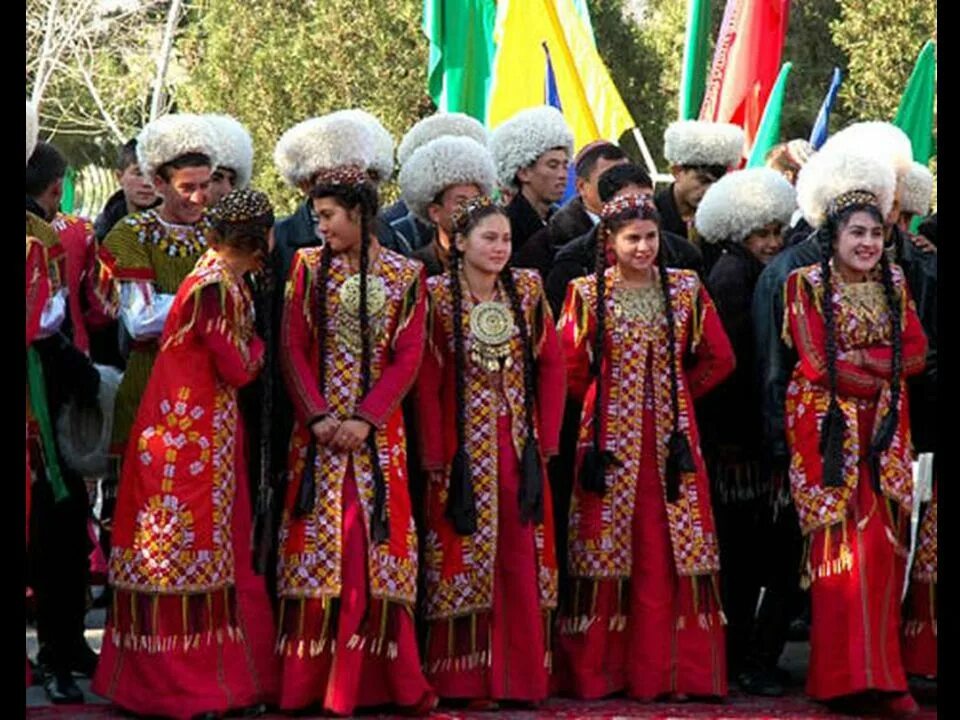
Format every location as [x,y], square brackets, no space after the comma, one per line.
[638,303]
[491,329]
[348,311]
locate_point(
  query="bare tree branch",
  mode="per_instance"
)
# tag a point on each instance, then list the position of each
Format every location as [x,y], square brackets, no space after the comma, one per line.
[163,60]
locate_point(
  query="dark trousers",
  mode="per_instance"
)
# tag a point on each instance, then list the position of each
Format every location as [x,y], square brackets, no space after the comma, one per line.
[58,564]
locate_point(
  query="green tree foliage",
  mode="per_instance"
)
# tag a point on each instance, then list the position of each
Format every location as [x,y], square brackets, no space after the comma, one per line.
[274,63]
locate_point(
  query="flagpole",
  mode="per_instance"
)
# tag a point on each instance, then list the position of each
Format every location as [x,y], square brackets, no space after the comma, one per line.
[648,159]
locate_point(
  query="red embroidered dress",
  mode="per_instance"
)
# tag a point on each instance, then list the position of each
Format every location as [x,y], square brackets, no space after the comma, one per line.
[856,536]
[920,616]
[189,631]
[346,613]
[643,611]
[490,595]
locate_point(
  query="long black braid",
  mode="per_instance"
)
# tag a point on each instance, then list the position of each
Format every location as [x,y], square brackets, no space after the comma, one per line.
[891,418]
[531,469]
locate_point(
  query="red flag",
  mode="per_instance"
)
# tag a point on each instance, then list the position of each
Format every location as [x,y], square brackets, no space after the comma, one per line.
[746,63]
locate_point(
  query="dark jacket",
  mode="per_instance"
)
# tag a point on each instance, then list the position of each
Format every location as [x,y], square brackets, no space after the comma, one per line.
[671,221]
[568,223]
[579,258]
[524,222]
[433,258]
[113,212]
[730,416]
[775,361]
[410,231]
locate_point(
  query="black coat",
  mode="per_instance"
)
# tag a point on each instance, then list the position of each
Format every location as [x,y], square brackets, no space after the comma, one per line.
[775,361]
[568,223]
[432,258]
[579,258]
[524,222]
[672,222]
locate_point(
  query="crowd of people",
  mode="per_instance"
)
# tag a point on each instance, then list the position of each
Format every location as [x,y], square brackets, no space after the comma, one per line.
[477,447]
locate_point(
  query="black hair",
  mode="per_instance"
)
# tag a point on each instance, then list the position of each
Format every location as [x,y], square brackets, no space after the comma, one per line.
[834,425]
[127,155]
[714,171]
[45,167]
[187,160]
[614,179]
[602,151]
[461,504]
[249,236]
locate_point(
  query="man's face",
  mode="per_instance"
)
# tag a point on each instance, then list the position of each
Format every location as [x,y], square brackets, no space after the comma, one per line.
[222,183]
[185,194]
[441,214]
[691,184]
[137,190]
[546,179]
[587,187]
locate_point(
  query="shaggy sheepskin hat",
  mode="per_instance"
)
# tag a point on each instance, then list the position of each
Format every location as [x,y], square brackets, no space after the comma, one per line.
[381,163]
[519,141]
[915,190]
[234,147]
[430,128]
[324,143]
[443,162]
[33,128]
[165,139]
[743,201]
[829,175]
[881,139]
[700,143]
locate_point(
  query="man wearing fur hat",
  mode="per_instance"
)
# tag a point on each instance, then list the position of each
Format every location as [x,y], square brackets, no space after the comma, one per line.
[417,232]
[532,151]
[788,159]
[438,177]
[775,361]
[699,153]
[234,152]
[916,191]
[576,217]
[745,212]
[147,255]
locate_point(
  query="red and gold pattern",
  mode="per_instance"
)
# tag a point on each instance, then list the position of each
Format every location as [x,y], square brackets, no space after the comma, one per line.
[310,548]
[174,508]
[862,322]
[600,527]
[38,288]
[459,568]
[925,560]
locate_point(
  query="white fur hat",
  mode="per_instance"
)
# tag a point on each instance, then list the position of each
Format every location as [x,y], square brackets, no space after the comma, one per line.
[880,139]
[697,142]
[342,138]
[167,138]
[381,161]
[443,162]
[519,141]
[430,128]
[33,128]
[828,175]
[743,201]
[234,147]
[916,189]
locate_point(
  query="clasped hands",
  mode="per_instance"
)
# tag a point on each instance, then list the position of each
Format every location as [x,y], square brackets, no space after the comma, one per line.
[346,436]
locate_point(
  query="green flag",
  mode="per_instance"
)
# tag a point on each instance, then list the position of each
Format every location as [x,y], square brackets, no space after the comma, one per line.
[69,190]
[915,115]
[768,133]
[461,54]
[695,59]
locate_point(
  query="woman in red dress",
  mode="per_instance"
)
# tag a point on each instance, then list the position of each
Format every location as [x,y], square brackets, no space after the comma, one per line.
[353,335]
[189,630]
[641,342]
[489,398]
[857,336]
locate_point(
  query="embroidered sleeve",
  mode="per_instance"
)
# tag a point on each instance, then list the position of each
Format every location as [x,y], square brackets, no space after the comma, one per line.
[808,332]
[551,384]
[37,287]
[237,359]
[576,330]
[300,373]
[713,355]
[403,364]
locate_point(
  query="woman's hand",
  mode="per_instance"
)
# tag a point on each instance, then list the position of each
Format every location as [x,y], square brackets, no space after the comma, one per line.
[351,435]
[437,476]
[325,429]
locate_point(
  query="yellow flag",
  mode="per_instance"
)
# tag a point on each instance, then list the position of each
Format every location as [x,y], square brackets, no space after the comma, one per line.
[591,104]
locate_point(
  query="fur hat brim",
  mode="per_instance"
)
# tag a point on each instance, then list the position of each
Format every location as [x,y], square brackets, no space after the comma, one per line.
[234,147]
[743,201]
[519,141]
[916,190]
[171,136]
[828,175]
[435,126]
[697,142]
[441,163]
[33,128]
[881,139]
[381,159]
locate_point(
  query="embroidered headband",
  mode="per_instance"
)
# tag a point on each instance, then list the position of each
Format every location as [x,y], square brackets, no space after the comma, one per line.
[467,210]
[852,198]
[643,204]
